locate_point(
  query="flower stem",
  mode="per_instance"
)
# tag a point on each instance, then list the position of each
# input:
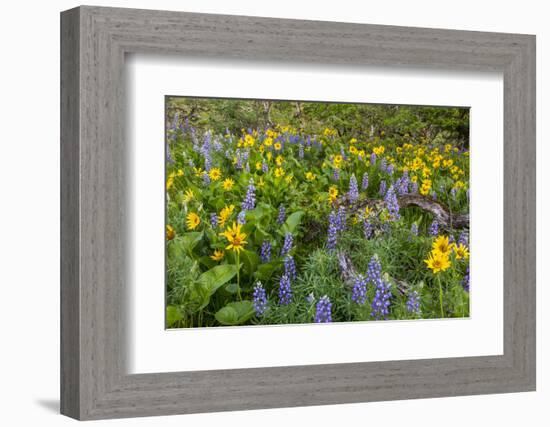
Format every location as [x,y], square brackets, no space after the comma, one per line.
[238,278]
[440,296]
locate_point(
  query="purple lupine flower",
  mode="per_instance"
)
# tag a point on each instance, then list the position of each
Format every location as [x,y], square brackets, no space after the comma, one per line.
[238,155]
[290,267]
[205,150]
[323,310]
[214,220]
[434,228]
[308,141]
[336,174]
[205,179]
[281,217]
[332,238]
[310,298]
[169,158]
[353,193]
[368,229]
[392,204]
[434,195]
[413,303]
[453,193]
[390,169]
[341,218]
[265,168]
[250,199]
[466,280]
[374,270]
[373,159]
[414,229]
[259,299]
[463,238]
[382,189]
[414,188]
[285,291]
[265,251]
[247,167]
[402,184]
[343,153]
[365,181]
[301,151]
[383,165]
[381,302]
[241,217]
[359,291]
[287,244]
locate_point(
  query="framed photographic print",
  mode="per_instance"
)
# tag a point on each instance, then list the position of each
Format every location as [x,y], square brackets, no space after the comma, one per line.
[305,212]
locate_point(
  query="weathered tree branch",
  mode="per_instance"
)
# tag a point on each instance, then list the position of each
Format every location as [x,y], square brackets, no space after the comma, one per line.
[443,216]
[440,212]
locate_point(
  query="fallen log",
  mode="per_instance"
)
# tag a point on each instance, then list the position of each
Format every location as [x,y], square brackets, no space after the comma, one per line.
[441,214]
[445,218]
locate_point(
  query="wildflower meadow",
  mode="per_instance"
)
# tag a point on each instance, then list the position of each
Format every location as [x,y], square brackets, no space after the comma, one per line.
[286,212]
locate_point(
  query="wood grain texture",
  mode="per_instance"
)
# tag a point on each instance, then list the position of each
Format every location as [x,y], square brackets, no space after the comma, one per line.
[94,239]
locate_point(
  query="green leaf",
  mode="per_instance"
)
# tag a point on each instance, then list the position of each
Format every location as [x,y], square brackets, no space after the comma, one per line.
[173,315]
[292,221]
[235,313]
[265,271]
[212,279]
[190,240]
[207,261]
[250,260]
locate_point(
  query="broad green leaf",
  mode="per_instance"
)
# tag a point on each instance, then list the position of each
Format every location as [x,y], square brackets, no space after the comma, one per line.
[265,271]
[235,313]
[207,261]
[172,315]
[190,240]
[250,260]
[212,279]
[293,221]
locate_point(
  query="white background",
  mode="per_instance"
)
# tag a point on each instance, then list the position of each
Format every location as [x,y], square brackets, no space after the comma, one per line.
[152,348]
[29,233]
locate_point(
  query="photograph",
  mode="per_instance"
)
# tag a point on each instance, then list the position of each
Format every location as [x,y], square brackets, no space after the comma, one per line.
[294,212]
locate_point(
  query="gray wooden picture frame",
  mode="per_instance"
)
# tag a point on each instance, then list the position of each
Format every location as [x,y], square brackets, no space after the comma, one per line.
[94,382]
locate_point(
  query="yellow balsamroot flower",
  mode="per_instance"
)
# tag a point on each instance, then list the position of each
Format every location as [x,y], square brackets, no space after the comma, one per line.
[225,214]
[193,221]
[188,196]
[367,211]
[198,171]
[379,150]
[228,184]
[279,160]
[353,140]
[249,140]
[461,251]
[332,193]
[169,182]
[330,132]
[215,174]
[438,261]
[414,178]
[261,148]
[258,166]
[288,178]
[338,159]
[235,237]
[353,149]
[447,163]
[179,172]
[218,255]
[170,233]
[260,183]
[279,172]
[269,155]
[268,142]
[441,244]
[277,146]
[459,184]
[310,176]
